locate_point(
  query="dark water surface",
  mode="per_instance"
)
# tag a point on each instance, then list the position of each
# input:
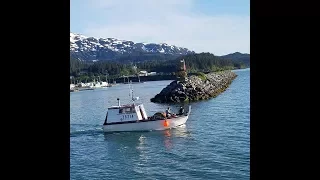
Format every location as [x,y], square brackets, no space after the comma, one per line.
[214,143]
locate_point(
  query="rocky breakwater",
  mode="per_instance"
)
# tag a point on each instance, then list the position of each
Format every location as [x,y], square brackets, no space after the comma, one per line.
[196,87]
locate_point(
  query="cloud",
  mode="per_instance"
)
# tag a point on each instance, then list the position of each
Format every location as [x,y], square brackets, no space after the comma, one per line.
[170,21]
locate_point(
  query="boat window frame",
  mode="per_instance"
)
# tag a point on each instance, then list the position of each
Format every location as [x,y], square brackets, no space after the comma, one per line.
[124,110]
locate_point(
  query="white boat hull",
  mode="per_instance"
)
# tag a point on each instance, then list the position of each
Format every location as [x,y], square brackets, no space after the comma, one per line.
[147,125]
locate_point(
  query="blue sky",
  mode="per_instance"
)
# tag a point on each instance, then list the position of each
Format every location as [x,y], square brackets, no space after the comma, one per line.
[216,26]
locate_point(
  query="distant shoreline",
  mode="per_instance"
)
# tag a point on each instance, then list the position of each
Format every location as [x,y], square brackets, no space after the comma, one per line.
[122,80]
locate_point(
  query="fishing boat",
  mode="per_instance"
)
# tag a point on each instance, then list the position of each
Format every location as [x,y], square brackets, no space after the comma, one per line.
[133,117]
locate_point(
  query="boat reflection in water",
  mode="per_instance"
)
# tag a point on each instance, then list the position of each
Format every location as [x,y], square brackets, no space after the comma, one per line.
[138,148]
[139,140]
[169,134]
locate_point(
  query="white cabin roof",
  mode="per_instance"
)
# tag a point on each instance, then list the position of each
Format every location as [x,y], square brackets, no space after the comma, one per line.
[124,106]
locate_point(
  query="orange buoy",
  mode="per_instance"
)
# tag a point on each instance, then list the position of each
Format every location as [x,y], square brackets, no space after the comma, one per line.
[165,123]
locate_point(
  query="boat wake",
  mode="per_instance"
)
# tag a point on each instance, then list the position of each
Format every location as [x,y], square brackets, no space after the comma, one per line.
[86,132]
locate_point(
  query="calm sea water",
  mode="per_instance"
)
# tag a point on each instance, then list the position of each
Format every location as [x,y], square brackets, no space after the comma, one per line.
[214,143]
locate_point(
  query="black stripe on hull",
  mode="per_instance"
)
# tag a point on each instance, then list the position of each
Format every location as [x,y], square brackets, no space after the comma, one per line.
[130,122]
[137,121]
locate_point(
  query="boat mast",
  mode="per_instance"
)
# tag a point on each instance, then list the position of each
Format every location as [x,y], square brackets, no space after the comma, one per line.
[131,92]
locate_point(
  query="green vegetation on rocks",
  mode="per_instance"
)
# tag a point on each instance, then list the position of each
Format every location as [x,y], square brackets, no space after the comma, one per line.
[202,76]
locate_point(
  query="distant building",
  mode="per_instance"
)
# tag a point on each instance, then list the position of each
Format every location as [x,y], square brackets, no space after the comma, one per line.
[143,73]
[152,73]
[72,86]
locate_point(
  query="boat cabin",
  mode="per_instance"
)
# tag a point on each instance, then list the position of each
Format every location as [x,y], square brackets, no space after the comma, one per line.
[124,113]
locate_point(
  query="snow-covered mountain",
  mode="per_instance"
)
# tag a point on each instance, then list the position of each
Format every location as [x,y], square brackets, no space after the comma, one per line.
[93,49]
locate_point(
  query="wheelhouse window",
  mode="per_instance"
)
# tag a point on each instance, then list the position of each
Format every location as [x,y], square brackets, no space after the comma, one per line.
[126,110]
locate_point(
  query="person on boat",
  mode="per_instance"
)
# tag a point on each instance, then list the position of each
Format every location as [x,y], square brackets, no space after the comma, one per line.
[168,112]
[181,110]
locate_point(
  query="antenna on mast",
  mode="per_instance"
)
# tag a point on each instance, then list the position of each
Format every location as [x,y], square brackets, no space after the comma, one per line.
[129,89]
[131,93]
